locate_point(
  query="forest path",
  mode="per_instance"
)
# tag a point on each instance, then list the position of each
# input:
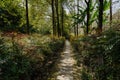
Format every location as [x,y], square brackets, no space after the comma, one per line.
[67,63]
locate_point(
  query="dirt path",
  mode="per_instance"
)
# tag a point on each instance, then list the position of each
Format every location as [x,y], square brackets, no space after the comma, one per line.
[66,64]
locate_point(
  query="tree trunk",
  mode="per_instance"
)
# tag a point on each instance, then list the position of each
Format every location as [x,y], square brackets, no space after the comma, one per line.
[53,18]
[110,13]
[74,20]
[77,16]
[88,15]
[62,18]
[100,17]
[27,17]
[57,15]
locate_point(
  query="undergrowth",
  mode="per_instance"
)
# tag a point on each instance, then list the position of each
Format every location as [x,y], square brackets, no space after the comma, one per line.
[99,55]
[32,62]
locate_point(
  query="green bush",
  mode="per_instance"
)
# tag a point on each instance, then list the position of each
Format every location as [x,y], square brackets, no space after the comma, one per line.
[18,63]
[13,64]
[100,54]
[10,15]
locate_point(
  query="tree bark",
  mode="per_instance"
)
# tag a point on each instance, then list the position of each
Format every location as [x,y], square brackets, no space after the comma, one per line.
[88,15]
[110,13]
[75,30]
[62,18]
[27,18]
[100,17]
[57,15]
[53,18]
[77,16]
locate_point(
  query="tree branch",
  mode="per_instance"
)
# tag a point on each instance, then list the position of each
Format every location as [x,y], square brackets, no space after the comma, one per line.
[86,2]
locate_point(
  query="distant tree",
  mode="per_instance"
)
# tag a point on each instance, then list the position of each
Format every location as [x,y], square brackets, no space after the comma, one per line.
[88,15]
[27,17]
[62,17]
[110,12]
[53,17]
[75,31]
[77,17]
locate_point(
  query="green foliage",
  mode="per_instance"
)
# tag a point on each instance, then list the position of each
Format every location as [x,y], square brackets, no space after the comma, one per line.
[10,15]
[55,46]
[85,75]
[13,64]
[100,55]
[106,5]
[23,29]
[25,63]
[46,30]
[94,12]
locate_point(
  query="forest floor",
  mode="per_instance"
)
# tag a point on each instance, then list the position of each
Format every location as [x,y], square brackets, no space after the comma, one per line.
[67,69]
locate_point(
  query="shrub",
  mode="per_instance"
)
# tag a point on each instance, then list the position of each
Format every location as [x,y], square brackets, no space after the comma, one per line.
[100,54]
[31,63]
[14,65]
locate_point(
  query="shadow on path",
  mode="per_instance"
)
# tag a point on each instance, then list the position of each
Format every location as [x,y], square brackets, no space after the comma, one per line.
[66,64]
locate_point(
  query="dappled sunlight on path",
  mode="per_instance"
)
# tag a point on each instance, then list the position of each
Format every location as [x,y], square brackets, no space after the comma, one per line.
[66,65]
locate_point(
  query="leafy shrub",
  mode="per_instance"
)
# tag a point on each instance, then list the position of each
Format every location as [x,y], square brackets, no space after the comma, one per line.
[35,62]
[85,75]
[100,54]
[10,15]
[55,46]
[14,65]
